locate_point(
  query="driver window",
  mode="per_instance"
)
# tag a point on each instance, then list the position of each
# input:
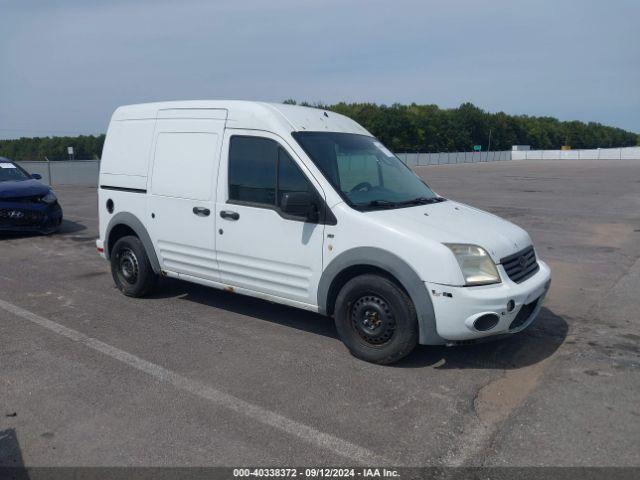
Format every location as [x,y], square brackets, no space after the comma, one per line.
[290,178]
[357,169]
[261,172]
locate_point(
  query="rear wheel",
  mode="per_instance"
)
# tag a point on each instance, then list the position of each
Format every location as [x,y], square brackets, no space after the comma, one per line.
[376,319]
[130,267]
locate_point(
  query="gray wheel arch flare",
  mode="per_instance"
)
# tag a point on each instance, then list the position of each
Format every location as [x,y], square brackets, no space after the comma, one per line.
[131,221]
[394,265]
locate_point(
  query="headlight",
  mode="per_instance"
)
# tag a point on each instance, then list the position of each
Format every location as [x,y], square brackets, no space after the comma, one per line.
[475,263]
[49,197]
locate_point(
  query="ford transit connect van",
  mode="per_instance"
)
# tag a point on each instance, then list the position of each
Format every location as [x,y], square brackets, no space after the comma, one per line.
[305,207]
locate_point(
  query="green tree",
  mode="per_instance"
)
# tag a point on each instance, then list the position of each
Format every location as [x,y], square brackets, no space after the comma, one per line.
[404,128]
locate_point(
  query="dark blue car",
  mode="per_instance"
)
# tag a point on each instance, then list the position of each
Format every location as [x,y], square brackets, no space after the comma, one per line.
[26,205]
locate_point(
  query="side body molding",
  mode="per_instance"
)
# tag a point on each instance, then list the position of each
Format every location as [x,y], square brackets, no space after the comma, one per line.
[131,221]
[376,257]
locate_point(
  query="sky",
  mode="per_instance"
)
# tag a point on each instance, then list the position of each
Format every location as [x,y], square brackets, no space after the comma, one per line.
[65,65]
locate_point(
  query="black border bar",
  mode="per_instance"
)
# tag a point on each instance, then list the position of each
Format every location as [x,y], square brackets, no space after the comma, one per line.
[20,472]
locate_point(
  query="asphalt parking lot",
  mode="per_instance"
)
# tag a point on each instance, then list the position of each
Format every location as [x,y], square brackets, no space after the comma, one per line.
[195,376]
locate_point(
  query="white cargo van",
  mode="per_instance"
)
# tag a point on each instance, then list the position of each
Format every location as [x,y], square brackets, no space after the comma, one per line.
[304,207]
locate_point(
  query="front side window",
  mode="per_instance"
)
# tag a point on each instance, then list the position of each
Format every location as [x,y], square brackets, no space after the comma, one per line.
[261,172]
[11,172]
[364,172]
[290,178]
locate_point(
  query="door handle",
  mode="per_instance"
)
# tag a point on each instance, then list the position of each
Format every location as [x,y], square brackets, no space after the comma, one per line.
[201,211]
[229,215]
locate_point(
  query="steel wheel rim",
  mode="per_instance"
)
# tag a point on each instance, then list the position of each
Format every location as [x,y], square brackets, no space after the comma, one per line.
[128,266]
[372,319]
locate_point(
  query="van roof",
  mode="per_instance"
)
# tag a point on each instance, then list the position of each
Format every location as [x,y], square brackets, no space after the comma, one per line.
[274,117]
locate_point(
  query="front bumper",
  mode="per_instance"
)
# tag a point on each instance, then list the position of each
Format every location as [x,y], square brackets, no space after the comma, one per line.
[457,308]
[32,218]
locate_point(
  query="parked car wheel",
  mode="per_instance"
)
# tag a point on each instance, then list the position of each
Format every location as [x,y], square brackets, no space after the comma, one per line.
[130,267]
[376,319]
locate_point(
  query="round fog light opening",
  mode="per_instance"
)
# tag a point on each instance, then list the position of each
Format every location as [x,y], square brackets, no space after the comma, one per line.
[486,322]
[511,305]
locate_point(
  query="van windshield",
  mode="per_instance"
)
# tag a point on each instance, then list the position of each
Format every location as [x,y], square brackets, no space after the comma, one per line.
[364,172]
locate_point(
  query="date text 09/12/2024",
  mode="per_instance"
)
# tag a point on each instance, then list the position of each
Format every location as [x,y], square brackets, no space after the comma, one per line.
[316,472]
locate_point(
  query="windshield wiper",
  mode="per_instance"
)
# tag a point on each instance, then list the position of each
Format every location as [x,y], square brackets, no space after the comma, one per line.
[422,201]
[379,203]
[390,204]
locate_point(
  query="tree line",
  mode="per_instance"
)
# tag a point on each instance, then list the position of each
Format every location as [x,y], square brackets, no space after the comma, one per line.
[430,129]
[403,128]
[85,147]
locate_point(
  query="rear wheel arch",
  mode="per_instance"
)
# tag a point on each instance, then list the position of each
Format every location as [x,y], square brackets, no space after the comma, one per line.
[130,267]
[116,233]
[124,224]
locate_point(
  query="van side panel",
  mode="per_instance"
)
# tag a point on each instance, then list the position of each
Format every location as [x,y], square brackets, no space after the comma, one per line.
[123,170]
[184,164]
[181,210]
[126,148]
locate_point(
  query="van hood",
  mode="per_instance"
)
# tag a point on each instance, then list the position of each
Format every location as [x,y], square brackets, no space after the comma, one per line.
[453,222]
[22,188]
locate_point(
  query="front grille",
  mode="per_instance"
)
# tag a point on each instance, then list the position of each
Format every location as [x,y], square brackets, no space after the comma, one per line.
[19,218]
[521,265]
[523,315]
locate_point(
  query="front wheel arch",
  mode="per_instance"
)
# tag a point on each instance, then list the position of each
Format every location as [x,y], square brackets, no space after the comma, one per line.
[350,273]
[376,319]
[392,267]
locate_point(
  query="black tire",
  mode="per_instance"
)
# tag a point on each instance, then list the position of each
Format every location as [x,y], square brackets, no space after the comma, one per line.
[376,319]
[130,267]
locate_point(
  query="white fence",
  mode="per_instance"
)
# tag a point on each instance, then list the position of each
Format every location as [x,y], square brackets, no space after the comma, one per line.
[417,159]
[67,172]
[85,172]
[628,153]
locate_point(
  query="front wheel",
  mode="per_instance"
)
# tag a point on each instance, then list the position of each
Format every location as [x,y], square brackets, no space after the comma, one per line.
[130,267]
[376,319]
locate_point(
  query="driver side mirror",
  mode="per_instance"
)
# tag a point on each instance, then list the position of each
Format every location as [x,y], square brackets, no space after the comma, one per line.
[36,176]
[300,204]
